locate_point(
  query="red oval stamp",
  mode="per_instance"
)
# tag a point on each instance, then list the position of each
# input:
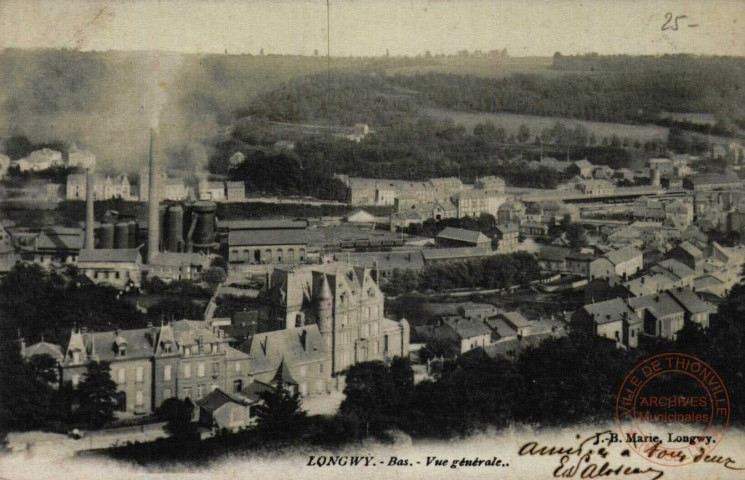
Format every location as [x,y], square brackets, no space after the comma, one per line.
[673,409]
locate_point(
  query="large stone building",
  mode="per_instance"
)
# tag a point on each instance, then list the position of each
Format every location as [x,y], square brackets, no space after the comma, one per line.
[104,187]
[185,359]
[343,302]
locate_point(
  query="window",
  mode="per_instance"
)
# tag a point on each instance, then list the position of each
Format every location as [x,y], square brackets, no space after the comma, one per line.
[121,375]
[167,373]
[187,392]
[215,369]
[167,393]
[187,370]
[75,381]
[187,351]
[237,386]
[140,374]
[139,398]
[75,357]
[200,391]
[303,371]
[117,275]
[200,370]
[237,367]
[320,368]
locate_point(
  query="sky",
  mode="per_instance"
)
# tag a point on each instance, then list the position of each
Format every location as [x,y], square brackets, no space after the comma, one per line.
[372,27]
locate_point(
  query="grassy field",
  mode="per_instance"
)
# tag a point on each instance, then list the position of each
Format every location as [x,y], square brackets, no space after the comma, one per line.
[481,66]
[511,123]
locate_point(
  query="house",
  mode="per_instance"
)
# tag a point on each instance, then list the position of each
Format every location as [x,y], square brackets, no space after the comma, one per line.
[511,212]
[612,319]
[552,258]
[509,238]
[579,263]
[648,210]
[596,187]
[457,237]
[679,274]
[173,189]
[51,245]
[679,211]
[687,254]
[661,166]
[696,309]
[712,181]
[583,168]
[118,268]
[533,229]
[184,359]
[169,266]
[104,187]
[219,410]
[516,321]
[236,191]
[623,263]
[214,191]
[343,303]
[472,203]
[464,335]
[663,317]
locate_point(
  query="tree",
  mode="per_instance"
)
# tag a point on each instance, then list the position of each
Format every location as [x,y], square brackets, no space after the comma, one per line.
[179,414]
[214,276]
[523,134]
[576,236]
[97,395]
[25,399]
[280,415]
[369,395]
[593,140]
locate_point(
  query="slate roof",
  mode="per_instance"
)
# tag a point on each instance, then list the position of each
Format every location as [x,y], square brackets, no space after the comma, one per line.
[240,238]
[467,328]
[611,311]
[658,304]
[462,235]
[216,399]
[690,301]
[691,249]
[501,327]
[110,255]
[269,349]
[515,319]
[679,269]
[60,239]
[623,255]
[268,224]
[252,392]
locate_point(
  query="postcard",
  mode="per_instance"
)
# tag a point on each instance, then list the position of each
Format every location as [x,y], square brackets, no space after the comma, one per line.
[338,239]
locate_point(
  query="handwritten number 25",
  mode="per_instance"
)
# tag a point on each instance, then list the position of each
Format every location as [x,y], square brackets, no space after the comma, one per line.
[671,23]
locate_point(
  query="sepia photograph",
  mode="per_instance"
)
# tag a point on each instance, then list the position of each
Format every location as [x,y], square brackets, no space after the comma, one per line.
[395,239]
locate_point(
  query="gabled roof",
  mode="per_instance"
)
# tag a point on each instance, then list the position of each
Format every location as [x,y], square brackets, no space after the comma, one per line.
[270,349]
[688,299]
[691,249]
[611,311]
[216,399]
[515,319]
[623,254]
[462,235]
[252,392]
[658,304]
[679,269]
[466,328]
[583,163]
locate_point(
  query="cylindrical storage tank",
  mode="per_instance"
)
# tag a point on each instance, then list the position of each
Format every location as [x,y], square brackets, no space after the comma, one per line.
[107,235]
[204,233]
[132,241]
[175,228]
[121,235]
[162,211]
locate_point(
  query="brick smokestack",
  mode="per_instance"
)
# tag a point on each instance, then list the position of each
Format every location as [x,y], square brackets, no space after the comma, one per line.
[89,218]
[153,214]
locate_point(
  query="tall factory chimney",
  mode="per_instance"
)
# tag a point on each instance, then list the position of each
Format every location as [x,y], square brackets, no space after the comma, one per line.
[89,218]
[153,216]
